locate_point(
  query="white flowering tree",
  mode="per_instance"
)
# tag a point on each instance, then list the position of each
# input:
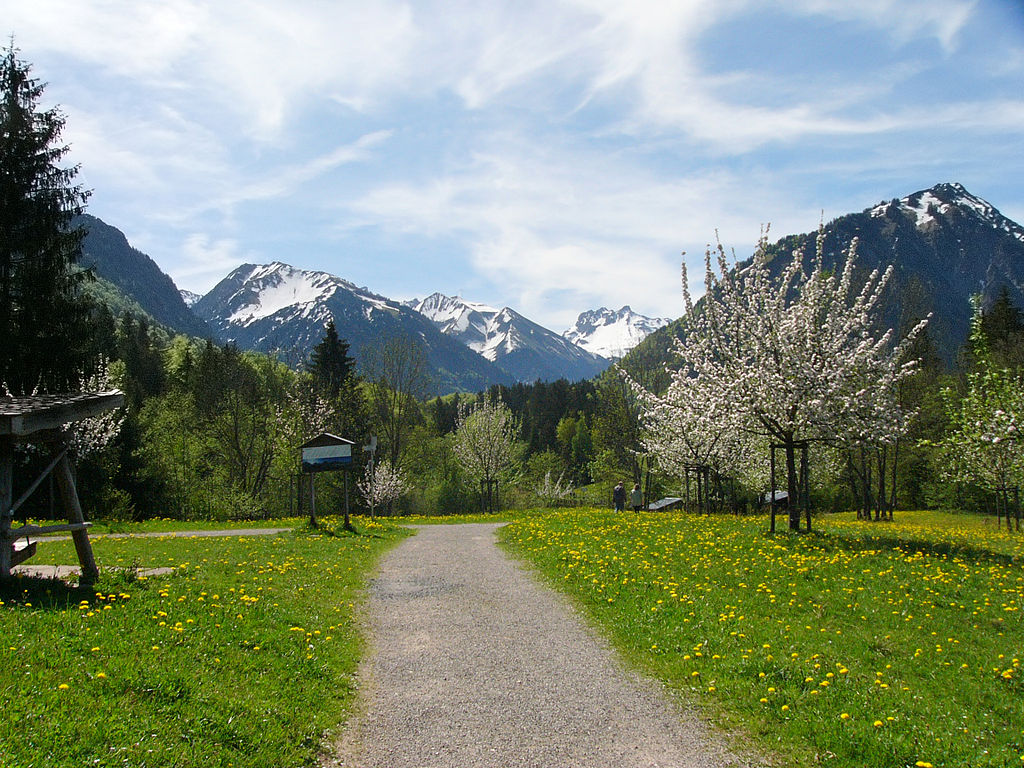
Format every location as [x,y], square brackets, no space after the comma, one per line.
[690,430]
[485,437]
[792,358]
[92,435]
[983,446]
[382,484]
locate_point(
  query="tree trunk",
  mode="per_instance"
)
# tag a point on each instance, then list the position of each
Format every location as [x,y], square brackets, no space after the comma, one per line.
[791,486]
[895,465]
[880,505]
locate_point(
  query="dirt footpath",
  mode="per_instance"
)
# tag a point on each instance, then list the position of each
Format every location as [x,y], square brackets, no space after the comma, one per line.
[476,664]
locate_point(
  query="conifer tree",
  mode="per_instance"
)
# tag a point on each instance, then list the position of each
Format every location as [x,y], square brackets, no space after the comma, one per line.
[330,363]
[44,327]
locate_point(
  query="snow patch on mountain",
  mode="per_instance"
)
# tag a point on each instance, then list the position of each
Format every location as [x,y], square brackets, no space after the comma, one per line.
[470,322]
[274,287]
[503,336]
[189,297]
[942,200]
[610,333]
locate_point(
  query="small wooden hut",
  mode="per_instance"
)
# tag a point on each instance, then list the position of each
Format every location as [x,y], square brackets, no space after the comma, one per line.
[43,420]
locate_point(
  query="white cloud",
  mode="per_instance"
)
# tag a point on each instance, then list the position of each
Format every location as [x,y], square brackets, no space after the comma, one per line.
[275,182]
[588,228]
[205,261]
[902,20]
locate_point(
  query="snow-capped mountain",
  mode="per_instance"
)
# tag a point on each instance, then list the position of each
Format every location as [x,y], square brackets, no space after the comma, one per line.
[610,333]
[276,307]
[467,321]
[525,349]
[929,205]
[944,244]
[189,297]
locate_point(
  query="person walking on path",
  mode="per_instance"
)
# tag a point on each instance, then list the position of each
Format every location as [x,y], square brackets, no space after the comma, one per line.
[619,497]
[636,498]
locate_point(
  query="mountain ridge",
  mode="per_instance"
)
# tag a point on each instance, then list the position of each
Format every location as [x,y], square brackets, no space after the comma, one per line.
[106,250]
[944,244]
[527,350]
[612,333]
[281,309]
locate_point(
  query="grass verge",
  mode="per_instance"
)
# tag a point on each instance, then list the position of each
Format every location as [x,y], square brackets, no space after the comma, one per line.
[244,656]
[859,646]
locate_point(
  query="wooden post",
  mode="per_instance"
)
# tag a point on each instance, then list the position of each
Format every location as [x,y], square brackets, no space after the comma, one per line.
[66,483]
[6,499]
[312,501]
[348,525]
[805,485]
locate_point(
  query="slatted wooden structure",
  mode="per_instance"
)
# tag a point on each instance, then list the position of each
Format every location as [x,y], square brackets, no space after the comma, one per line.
[41,419]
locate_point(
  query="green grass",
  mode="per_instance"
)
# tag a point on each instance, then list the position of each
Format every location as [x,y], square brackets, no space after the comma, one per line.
[860,645]
[244,656]
[166,525]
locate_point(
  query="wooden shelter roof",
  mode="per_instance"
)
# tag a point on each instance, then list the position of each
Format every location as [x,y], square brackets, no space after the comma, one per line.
[23,416]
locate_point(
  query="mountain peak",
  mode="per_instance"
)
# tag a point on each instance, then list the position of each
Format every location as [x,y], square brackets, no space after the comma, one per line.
[525,349]
[610,333]
[945,200]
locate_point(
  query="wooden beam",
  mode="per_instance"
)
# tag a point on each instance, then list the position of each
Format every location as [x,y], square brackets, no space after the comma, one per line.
[22,416]
[6,495]
[23,554]
[66,483]
[38,530]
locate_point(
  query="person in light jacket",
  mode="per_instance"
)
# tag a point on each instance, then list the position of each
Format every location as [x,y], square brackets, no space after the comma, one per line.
[636,498]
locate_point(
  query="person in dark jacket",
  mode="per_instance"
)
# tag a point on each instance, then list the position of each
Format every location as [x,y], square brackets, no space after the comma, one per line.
[619,497]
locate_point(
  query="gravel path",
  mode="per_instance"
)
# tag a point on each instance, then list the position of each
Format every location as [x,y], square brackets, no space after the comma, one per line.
[475,664]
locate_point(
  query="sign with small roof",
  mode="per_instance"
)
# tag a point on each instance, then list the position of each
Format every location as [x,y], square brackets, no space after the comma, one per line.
[326,453]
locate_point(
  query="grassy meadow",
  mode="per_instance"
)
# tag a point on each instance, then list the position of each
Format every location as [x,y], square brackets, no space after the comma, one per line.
[244,656]
[860,645]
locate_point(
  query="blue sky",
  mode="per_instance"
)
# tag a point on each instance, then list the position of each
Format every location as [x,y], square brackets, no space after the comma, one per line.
[549,156]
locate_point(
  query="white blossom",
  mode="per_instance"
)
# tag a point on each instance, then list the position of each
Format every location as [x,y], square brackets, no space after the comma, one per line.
[91,435]
[382,484]
[485,439]
[786,359]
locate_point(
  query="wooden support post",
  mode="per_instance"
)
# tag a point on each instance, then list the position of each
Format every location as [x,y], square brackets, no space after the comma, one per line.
[348,524]
[805,485]
[312,501]
[6,498]
[66,483]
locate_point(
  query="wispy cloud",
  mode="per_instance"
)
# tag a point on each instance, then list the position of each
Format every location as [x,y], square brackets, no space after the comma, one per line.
[563,152]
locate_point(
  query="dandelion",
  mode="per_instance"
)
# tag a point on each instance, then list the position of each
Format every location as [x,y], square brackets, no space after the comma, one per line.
[844,716]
